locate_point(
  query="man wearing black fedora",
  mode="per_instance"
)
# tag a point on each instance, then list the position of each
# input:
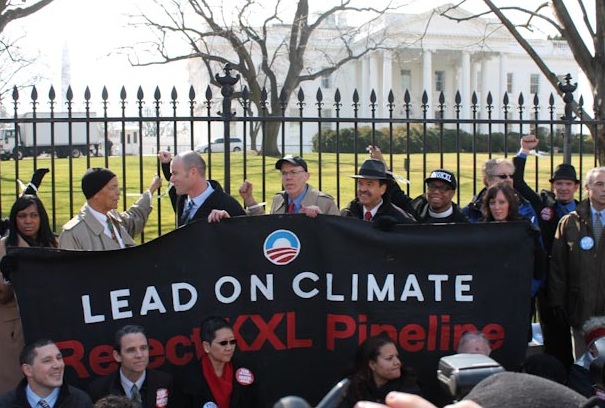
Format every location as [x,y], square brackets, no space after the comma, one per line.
[371,203]
[550,205]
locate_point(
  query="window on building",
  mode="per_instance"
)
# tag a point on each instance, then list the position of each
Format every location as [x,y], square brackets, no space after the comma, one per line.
[439,81]
[406,80]
[135,137]
[128,138]
[534,83]
[326,81]
[509,82]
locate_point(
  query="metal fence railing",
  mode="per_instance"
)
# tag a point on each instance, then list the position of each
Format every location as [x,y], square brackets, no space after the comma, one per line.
[127,141]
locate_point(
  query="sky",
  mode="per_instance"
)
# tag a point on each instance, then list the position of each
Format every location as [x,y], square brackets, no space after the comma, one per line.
[93,30]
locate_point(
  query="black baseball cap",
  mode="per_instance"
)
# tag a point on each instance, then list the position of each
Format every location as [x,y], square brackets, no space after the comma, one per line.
[295,160]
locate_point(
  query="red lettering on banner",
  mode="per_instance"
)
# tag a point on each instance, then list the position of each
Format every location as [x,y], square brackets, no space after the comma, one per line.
[445,332]
[436,333]
[412,337]
[293,342]
[171,350]
[156,353]
[333,333]
[495,334]
[74,359]
[196,338]
[267,332]
[383,328]
[101,360]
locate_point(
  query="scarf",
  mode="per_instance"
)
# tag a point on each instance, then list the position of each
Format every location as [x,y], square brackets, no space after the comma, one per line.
[220,387]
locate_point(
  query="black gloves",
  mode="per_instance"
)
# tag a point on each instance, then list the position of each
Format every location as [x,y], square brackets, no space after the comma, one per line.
[8,265]
[32,187]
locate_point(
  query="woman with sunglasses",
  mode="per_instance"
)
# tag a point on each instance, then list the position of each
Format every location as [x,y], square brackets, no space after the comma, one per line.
[219,380]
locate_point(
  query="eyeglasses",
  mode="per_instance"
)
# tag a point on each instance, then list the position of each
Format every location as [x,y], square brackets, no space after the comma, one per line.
[503,176]
[442,189]
[225,342]
[291,173]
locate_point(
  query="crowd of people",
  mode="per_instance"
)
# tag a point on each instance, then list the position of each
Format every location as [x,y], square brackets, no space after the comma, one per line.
[567,291]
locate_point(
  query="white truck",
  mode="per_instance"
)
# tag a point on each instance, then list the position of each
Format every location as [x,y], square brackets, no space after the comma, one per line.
[85,137]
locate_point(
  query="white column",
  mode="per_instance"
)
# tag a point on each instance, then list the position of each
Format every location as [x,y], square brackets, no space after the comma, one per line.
[375,71]
[465,91]
[387,81]
[364,90]
[502,90]
[486,87]
[427,80]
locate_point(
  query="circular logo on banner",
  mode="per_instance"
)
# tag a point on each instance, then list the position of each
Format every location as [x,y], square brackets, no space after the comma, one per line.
[281,247]
[586,243]
[547,213]
[161,398]
[210,404]
[244,376]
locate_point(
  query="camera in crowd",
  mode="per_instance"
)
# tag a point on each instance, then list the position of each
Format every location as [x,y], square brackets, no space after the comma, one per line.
[459,373]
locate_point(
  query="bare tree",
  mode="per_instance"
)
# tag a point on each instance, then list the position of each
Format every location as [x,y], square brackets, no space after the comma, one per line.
[273,55]
[13,59]
[570,24]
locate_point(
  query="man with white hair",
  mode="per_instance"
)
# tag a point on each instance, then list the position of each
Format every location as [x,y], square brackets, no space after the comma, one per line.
[576,285]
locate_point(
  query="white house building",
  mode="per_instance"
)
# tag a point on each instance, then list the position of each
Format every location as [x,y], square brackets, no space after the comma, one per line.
[427,53]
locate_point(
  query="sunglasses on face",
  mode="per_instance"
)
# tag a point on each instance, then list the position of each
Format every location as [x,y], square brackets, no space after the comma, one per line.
[225,342]
[503,176]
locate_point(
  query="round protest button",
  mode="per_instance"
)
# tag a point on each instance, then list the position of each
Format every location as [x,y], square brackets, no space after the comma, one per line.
[547,214]
[210,404]
[586,243]
[161,398]
[244,376]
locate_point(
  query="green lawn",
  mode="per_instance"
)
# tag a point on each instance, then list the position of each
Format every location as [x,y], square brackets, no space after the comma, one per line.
[60,190]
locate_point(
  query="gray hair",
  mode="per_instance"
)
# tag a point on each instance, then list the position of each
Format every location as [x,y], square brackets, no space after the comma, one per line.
[469,340]
[488,167]
[591,174]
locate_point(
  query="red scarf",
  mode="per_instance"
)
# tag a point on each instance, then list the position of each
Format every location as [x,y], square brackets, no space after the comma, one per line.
[220,387]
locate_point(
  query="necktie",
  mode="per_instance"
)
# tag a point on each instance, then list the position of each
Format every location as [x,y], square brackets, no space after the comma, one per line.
[135,395]
[187,212]
[598,227]
[291,207]
[43,404]
[368,216]
[113,230]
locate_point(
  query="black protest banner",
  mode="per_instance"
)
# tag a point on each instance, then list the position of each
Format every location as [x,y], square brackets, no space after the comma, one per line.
[301,293]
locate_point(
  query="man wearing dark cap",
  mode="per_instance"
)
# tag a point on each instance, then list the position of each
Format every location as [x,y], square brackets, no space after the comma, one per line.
[98,226]
[371,202]
[436,205]
[550,205]
[298,196]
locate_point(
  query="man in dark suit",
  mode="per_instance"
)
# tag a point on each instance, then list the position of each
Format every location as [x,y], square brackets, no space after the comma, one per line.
[551,205]
[193,196]
[148,388]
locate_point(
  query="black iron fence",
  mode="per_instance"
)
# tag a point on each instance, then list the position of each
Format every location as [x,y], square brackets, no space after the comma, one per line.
[127,138]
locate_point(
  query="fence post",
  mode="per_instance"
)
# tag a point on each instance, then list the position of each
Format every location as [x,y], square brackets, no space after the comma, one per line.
[227,82]
[567,88]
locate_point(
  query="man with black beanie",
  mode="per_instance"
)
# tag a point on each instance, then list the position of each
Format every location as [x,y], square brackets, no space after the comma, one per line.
[98,226]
